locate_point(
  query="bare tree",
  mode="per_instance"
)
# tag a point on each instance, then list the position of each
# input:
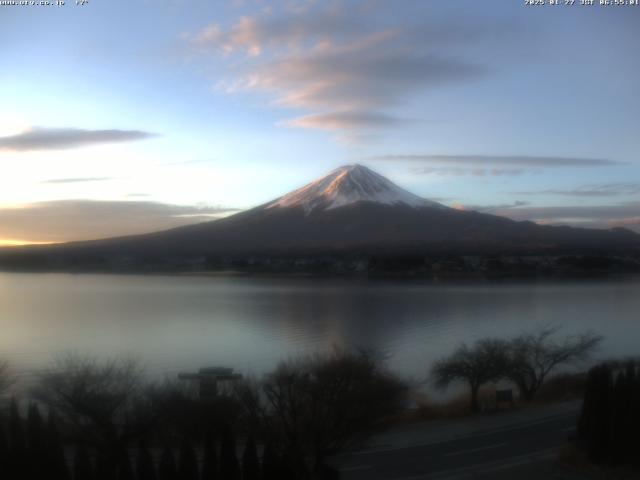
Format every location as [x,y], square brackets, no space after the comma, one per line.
[93,396]
[319,404]
[533,356]
[483,362]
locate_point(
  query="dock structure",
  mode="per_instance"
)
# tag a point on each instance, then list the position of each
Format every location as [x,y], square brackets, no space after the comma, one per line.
[207,379]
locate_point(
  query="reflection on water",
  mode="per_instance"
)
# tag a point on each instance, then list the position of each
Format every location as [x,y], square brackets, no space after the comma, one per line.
[176,323]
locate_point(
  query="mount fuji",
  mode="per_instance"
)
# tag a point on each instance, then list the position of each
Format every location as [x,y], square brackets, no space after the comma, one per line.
[352,211]
[348,185]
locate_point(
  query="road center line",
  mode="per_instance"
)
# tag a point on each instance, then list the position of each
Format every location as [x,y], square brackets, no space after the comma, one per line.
[473,450]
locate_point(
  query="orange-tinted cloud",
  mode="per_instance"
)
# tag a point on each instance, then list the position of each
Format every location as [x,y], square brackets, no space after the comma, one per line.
[350,120]
[325,58]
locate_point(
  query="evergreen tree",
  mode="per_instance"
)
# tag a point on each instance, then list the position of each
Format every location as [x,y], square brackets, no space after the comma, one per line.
[167,469]
[628,433]
[270,464]
[105,468]
[630,371]
[188,461]
[82,466]
[618,419]
[36,441]
[599,451]
[229,468]
[35,430]
[610,418]
[604,411]
[209,459]
[250,462]
[16,431]
[56,462]
[145,467]
[586,420]
[4,452]
[17,466]
[125,471]
[287,468]
[633,452]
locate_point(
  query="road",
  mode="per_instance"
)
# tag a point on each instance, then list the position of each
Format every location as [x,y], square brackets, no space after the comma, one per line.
[497,448]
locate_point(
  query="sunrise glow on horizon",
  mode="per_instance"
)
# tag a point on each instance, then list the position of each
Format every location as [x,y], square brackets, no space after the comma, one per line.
[122,117]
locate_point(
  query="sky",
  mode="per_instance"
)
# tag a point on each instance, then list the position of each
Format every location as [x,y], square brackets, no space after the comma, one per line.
[128,116]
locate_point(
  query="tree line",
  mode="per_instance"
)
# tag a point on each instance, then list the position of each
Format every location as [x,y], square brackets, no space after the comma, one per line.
[104,422]
[33,449]
[526,361]
[609,422]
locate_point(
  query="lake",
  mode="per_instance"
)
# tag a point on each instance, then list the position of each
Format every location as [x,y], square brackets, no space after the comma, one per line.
[175,323]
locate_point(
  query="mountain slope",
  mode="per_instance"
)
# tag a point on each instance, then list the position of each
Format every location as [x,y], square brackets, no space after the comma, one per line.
[352,209]
[348,185]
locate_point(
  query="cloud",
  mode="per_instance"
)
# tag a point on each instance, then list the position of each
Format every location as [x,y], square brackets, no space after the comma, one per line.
[338,23]
[520,161]
[352,120]
[346,63]
[364,77]
[632,223]
[65,220]
[592,190]
[600,216]
[252,35]
[77,180]
[40,138]
[492,208]
[476,172]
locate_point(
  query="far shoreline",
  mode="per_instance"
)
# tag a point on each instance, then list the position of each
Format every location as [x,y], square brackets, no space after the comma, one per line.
[473,278]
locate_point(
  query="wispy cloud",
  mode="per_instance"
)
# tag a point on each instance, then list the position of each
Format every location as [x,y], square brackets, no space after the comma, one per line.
[365,77]
[352,120]
[64,220]
[623,214]
[476,172]
[506,160]
[40,138]
[591,190]
[492,208]
[77,180]
[347,72]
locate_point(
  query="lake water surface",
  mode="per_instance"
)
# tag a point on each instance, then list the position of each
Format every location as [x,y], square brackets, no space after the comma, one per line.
[175,323]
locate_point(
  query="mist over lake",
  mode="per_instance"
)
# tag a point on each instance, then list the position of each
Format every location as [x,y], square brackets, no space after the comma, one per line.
[174,323]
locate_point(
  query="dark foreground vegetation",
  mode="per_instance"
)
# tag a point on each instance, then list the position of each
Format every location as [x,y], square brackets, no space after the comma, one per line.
[84,419]
[103,422]
[610,419]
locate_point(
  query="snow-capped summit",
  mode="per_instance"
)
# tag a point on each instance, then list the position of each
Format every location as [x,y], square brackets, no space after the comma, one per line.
[346,185]
[305,228]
